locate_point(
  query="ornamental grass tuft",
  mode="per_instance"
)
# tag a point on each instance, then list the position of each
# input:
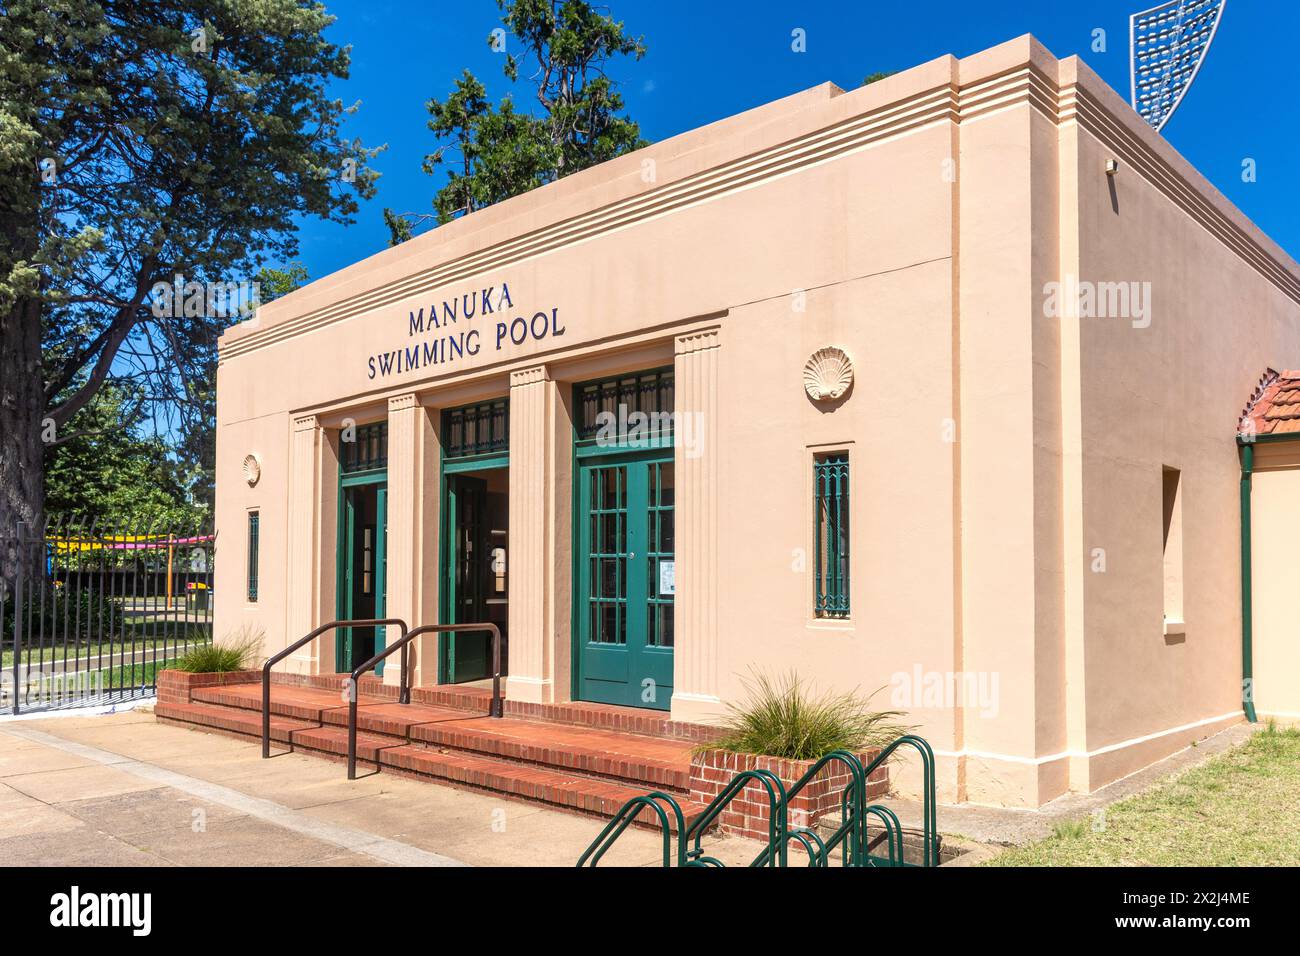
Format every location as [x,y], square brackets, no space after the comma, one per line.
[235,653]
[783,717]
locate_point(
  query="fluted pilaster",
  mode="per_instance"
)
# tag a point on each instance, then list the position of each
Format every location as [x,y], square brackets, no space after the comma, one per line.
[696,654]
[402,583]
[532,407]
[303,549]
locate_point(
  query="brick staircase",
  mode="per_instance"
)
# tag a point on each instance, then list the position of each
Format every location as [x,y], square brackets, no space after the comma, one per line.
[582,757]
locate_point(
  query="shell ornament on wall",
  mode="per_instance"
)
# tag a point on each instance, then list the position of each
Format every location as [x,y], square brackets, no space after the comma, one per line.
[827,374]
[252,469]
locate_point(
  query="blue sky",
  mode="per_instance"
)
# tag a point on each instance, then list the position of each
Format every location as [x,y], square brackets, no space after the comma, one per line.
[708,60]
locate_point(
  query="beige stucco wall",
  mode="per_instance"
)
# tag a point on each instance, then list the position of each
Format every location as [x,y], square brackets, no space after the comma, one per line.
[914,223]
[1223,308]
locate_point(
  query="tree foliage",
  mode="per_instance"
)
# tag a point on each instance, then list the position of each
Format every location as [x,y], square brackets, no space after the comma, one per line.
[492,152]
[141,140]
[274,282]
[110,470]
[569,43]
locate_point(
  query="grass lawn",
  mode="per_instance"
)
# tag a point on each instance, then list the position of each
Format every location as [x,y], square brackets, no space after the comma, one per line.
[135,676]
[1241,808]
[54,652]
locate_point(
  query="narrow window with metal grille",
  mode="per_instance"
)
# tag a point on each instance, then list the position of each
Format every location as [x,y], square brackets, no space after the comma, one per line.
[254,520]
[831,521]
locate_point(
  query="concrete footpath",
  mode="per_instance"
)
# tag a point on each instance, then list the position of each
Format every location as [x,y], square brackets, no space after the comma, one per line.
[123,790]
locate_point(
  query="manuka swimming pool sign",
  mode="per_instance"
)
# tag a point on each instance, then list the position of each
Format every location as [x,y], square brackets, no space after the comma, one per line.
[463,326]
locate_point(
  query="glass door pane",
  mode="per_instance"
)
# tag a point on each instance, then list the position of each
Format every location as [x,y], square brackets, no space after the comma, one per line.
[608,557]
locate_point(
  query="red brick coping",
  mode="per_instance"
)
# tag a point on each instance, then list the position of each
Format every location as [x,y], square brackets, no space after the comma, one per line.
[174,686]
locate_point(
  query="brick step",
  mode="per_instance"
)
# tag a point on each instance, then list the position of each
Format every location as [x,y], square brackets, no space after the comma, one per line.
[626,720]
[461,696]
[477,699]
[644,761]
[554,787]
[545,784]
[641,761]
[231,719]
[306,703]
[632,720]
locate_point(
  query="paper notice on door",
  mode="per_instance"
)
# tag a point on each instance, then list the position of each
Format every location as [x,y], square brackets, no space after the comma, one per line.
[667,578]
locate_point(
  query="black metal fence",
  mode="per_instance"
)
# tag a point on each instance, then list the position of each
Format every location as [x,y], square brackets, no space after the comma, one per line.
[88,617]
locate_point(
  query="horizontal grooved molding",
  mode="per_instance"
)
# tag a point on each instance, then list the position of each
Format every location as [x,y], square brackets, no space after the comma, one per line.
[1078,106]
[819,146]
[1021,86]
[530,572]
[304,479]
[696,664]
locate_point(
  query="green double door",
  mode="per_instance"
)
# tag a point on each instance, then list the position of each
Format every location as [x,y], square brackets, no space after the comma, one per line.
[363,566]
[625,569]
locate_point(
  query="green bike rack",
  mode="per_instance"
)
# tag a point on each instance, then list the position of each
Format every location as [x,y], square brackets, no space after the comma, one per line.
[813,845]
[776,816]
[851,830]
[623,819]
[850,836]
[929,817]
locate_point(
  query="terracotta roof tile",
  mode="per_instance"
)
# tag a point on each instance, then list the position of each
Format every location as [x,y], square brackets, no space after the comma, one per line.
[1274,408]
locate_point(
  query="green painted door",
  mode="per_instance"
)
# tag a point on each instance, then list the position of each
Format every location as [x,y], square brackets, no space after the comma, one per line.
[467,564]
[363,555]
[626,582]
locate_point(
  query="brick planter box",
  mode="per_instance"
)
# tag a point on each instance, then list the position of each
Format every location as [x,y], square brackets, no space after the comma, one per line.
[174,686]
[747,814]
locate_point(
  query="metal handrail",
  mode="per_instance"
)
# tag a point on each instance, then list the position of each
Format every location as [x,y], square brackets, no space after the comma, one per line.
[495,708]
[281,655]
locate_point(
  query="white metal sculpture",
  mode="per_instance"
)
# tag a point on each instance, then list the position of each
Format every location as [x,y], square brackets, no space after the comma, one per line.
[1167,45]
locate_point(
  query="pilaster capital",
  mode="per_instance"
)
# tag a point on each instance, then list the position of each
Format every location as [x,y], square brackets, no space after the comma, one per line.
[530,376]
[698,341]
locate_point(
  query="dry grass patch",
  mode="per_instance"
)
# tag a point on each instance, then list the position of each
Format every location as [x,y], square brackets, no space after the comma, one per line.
[1238,809]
